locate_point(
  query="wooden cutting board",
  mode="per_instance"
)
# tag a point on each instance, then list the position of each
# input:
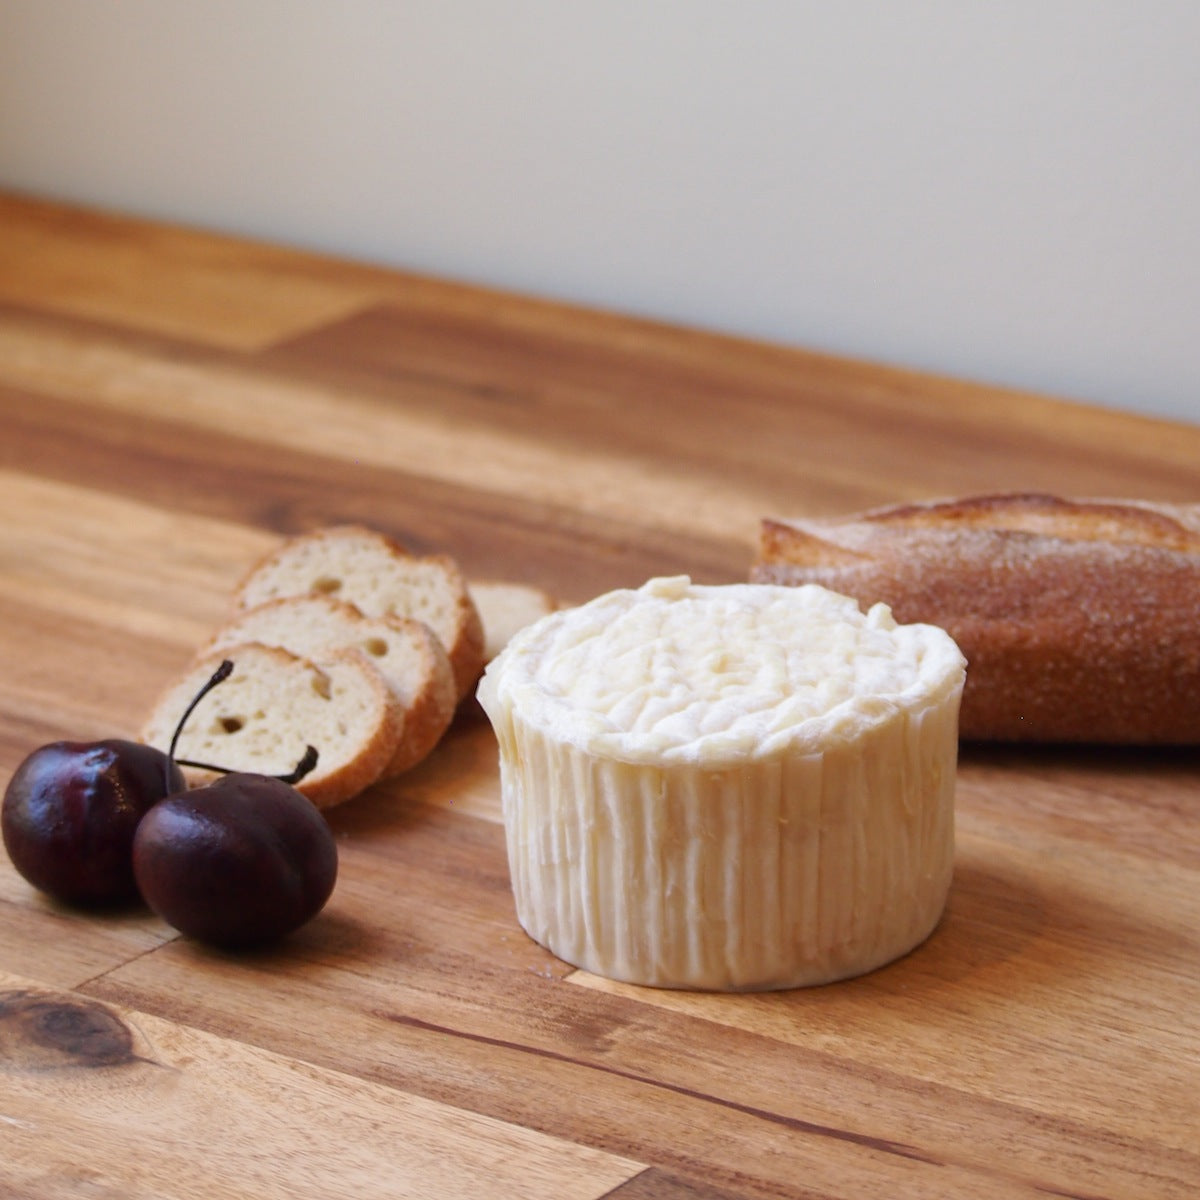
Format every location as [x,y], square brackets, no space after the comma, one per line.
[171,403]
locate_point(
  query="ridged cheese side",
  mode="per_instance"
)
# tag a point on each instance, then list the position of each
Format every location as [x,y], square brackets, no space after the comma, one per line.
[806,858]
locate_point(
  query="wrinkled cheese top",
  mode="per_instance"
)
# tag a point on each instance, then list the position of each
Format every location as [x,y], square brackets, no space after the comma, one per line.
[677,672]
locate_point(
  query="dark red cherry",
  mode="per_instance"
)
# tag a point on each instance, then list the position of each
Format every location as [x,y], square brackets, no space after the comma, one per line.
[242,861]
[70,812]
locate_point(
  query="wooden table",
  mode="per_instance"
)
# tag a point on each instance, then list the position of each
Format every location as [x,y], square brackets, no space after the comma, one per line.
[172,402]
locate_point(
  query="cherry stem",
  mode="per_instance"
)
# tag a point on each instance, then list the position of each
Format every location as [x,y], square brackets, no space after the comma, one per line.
[307,762]
[297,773]
[222,673]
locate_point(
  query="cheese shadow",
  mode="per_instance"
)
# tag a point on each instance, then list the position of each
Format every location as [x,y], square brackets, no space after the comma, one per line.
[1005,934]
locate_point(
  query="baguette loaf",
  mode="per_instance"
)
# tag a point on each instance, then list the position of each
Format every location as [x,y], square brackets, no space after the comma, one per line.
[273,705]
[380,578]
[411,659]
[1079,619]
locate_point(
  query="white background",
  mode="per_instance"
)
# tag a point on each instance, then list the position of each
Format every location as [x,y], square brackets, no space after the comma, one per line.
[1003,190]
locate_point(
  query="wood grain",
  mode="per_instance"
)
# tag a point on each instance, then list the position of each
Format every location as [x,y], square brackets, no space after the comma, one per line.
[207,289]
[171,402]
[120,1101]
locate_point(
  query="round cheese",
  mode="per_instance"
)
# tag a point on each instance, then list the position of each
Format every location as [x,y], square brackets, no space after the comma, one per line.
[727,787]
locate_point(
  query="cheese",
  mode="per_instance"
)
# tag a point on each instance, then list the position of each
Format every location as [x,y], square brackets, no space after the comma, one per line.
[727,787]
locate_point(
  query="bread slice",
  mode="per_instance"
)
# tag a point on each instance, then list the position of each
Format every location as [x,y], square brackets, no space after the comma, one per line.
[380,578]
[506,608]
[272,706]
[413,662]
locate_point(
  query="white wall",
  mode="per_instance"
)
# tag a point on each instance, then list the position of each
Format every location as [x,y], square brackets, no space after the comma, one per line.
[1005,190]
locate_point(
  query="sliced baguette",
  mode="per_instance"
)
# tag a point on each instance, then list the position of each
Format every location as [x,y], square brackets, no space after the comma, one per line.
[412,660]
[272,706]
[505,609]
[380,578]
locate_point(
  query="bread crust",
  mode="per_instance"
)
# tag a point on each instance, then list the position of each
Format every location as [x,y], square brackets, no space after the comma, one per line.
[430,708]
[466,650]
[1079,618]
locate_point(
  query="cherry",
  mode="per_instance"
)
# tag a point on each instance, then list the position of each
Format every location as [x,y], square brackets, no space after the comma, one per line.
[242,861]
[71,809]
[70,812]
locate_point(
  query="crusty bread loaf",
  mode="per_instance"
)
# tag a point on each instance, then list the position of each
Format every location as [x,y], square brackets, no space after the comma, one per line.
[1080,619]
[272,706]
[380,578]
[412,660]
[506,608]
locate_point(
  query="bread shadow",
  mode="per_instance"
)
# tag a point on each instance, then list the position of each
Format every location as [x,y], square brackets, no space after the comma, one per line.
[423,795]
[384,807]
[1181,762]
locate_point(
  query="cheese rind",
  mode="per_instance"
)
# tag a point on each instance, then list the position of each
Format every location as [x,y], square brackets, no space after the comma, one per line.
[730,788]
